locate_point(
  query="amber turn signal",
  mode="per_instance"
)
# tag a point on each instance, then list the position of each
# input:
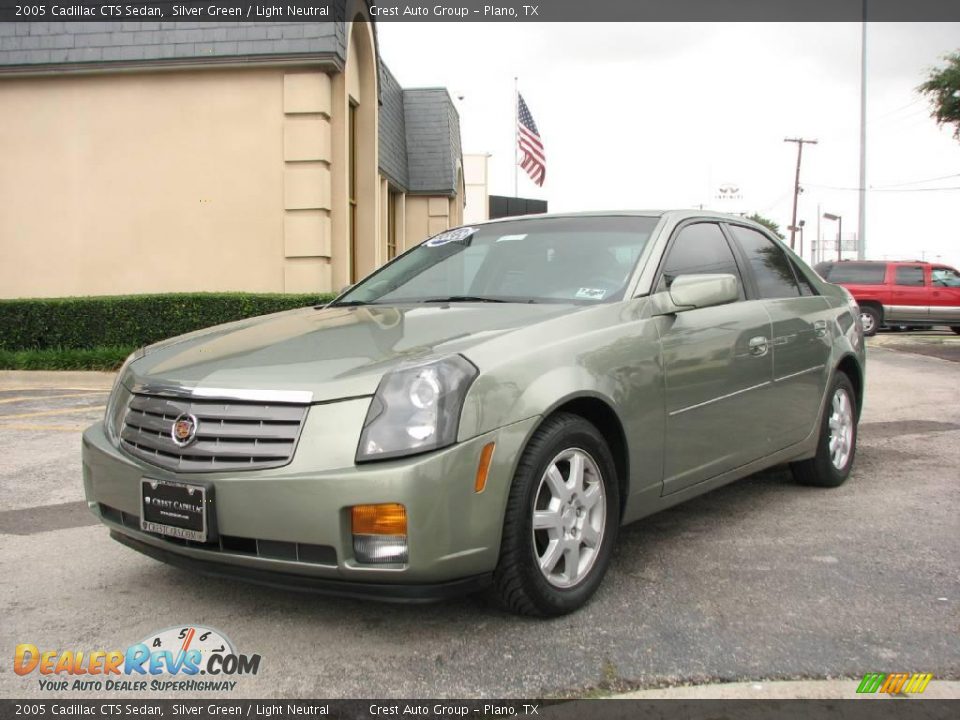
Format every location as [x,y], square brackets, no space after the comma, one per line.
[385,519]
[486,457]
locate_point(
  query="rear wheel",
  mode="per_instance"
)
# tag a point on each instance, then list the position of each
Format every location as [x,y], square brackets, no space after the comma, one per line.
[837,446]
[561,521]
[870,320]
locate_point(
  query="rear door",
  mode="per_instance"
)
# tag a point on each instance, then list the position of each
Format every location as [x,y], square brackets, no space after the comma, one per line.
[909,294]
[801,339]
[717,367]
[945,295]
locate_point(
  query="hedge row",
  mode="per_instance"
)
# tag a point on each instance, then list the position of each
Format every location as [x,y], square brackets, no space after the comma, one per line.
[107,358]
[129,320]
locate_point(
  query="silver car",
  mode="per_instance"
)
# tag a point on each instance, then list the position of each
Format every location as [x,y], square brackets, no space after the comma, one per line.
[485,411]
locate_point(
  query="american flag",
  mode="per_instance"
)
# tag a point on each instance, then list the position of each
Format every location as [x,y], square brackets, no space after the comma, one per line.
[532,159]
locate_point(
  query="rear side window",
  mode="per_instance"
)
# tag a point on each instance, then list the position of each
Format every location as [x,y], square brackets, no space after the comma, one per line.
[700,249]
[771,266]
[857,273]
[908,275]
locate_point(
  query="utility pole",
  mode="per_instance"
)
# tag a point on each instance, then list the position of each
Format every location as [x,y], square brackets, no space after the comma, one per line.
[796,183]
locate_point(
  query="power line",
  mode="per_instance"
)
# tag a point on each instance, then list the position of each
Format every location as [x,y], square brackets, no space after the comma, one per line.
[881,189]
[914,182]
[893,112]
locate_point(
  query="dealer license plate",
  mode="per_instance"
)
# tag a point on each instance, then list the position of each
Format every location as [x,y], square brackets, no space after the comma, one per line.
[176,509]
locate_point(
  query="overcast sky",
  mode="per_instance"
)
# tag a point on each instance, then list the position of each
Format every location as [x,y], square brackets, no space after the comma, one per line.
[651,115]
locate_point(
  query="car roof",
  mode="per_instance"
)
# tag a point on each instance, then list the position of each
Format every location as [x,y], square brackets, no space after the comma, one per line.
[878,262]
[677,214]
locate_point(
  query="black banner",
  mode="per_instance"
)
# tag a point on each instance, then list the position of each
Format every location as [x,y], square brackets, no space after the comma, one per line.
[473,11]
[600,709]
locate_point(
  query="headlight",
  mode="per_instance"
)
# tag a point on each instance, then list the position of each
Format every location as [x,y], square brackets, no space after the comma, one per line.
[117,403]
[416,409]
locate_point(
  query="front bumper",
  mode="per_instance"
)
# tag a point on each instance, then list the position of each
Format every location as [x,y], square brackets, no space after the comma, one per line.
[290,526]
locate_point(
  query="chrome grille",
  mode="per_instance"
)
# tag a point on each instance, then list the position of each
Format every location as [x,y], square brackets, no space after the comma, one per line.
[231,435]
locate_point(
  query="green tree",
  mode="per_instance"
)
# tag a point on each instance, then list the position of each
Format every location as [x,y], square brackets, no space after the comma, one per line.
[942,89]
[767,223]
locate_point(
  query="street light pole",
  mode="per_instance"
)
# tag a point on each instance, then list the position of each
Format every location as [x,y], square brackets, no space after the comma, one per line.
[839,220]
[862,190]
[839,238]
[796,184]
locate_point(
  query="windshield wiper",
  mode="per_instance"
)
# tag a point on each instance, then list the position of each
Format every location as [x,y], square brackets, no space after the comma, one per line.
[348,303]
[464,298]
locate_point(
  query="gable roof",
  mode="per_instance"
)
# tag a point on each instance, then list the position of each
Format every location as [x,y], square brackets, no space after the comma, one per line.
[64,46]
[432,127]
[392,132]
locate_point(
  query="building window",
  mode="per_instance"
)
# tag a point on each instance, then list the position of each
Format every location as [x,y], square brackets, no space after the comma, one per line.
[392,199]
[352,188]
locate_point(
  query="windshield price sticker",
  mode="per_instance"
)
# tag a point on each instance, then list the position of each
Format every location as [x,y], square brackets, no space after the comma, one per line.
[444,238]
[591,293]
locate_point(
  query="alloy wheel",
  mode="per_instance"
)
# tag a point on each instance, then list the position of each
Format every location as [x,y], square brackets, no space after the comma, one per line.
[569,518]
[841,429]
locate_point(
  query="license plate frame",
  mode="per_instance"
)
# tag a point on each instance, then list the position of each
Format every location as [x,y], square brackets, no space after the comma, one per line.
[175,509]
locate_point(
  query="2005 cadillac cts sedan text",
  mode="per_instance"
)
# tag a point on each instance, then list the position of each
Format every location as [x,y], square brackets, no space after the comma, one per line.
[485,411]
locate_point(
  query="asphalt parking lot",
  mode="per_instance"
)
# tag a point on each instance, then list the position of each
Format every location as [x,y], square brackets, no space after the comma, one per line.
[762,579]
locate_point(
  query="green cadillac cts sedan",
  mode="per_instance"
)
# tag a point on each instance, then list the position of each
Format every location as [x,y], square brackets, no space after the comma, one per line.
[485,411]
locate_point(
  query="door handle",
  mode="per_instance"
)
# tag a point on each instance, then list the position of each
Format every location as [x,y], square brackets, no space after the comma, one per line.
[759,346]
[820,328]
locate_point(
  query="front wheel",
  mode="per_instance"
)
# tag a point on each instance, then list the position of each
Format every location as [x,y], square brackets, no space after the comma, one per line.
[955,328]
[561,520]
[837,446]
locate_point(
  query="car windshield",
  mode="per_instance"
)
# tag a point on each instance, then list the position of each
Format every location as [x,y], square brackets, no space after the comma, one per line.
[569,260]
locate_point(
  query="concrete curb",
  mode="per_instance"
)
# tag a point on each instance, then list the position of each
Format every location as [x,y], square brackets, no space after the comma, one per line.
[46,379]
[786,690]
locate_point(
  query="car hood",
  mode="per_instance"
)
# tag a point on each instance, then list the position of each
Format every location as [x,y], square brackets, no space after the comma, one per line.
[332,353]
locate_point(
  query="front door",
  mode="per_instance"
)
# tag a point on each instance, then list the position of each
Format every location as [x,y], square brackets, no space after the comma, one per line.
[717,365]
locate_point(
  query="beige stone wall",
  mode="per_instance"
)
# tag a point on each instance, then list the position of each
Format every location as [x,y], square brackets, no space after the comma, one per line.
[164,182]
[307,202]
[426,215]
[476,194]
[197,180]
[129,183]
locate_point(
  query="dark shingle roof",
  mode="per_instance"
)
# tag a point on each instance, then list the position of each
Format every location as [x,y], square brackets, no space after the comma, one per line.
[393,137]
[32,45]
[433,141]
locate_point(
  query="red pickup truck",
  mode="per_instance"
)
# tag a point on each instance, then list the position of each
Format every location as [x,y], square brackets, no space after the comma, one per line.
[899,293]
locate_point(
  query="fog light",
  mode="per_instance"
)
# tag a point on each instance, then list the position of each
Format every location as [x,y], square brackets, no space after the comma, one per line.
[380,548]
[379,533]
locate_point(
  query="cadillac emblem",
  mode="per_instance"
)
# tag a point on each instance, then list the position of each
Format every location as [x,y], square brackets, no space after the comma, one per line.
[184,430]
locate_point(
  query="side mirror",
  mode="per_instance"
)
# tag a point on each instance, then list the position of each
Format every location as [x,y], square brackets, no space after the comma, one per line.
[688,292]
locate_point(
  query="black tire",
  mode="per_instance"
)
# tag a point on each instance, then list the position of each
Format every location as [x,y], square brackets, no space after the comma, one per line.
[519,585]
[955,328]
[820,470]
[872,322]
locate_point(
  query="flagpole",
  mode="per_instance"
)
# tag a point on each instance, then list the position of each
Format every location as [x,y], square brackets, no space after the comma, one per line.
[516,135]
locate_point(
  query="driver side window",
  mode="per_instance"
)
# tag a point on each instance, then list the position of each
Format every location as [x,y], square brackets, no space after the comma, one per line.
[700,249]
